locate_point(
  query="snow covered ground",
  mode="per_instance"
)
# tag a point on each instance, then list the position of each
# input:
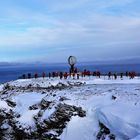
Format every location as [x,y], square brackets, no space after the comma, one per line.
[114,103]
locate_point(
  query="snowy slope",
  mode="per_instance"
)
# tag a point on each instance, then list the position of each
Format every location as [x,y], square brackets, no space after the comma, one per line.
[115,103]
[46,82]
[122,119]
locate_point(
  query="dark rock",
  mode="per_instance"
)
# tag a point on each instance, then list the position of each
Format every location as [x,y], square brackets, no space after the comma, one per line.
[29,86]
[11,103]
[7,87]
[104,132]
[45,104]
[114,97]
[57,121]
[63,99]
[43,92]
[54,95]
[112,137]
[82,113]
[34,107]
[43,129]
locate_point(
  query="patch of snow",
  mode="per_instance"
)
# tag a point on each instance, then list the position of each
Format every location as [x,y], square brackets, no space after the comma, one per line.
[80,129]
[122,119]
[1,87]
[48,112]
[27,117]
[4,126]
[121,115]
[24,101]
[3,104]
[94,98]
[136,138]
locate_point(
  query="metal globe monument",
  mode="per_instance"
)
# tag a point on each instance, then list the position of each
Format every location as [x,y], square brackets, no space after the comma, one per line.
[72,61]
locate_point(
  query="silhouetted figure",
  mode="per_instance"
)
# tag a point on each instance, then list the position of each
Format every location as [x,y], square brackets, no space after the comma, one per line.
[49,75]
[65,75]
[53,74]
[82,74]
[73,75]
[36,75]
[109,75]
[23,76]
[115,76]
[85,72]
[94,73]
[98,74]
[43,75]
[78,75]
[56,74]
[61,75]
[88,73]
[126,74]
[29,75]
[130,75]
[121,75]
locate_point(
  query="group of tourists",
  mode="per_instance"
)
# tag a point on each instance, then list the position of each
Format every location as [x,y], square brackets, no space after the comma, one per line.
[64,75]
[131,75]
[77,74]
[36,75]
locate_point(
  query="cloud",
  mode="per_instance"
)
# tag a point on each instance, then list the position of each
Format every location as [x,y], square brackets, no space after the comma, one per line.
[84,29]
[104,30]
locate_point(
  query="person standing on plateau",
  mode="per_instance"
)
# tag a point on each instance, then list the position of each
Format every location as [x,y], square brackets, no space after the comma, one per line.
[43,75]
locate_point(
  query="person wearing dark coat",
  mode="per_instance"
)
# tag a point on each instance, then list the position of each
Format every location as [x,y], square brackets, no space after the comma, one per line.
[61,75]
[49,75]
[109,75]
[36,75]
[115,76]
[29,75]
[43,75]
[23,76]
[121,75]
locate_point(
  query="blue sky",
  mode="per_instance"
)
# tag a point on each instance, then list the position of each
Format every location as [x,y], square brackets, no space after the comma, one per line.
[51,30]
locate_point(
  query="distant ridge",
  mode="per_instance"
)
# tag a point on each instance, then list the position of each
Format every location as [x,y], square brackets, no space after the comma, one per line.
[118,61]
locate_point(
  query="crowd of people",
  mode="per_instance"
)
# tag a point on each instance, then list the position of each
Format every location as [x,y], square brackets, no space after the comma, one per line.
[131,75]
[77,74]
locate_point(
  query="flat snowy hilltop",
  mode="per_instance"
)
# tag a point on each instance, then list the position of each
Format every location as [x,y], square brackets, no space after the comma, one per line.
[86,109]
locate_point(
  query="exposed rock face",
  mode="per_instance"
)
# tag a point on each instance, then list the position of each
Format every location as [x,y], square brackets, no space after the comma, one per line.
[57,120]
[11,103]
[104,133]
[36,87]
[51,115]
[49,128]
[114,97]
[7,123]
[63,99]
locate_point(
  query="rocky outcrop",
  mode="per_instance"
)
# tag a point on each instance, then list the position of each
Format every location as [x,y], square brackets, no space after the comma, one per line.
[51,116]
[53,126]
[104,133]
[49,128]
[11,103]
